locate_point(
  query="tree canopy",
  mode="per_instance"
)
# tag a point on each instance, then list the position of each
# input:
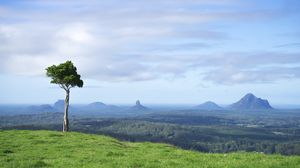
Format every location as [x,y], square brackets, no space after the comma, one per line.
[65,75]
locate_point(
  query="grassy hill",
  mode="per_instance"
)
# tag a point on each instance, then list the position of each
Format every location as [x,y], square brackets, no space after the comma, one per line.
[57,149]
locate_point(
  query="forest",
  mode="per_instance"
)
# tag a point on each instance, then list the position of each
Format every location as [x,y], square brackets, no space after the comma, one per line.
[268,132]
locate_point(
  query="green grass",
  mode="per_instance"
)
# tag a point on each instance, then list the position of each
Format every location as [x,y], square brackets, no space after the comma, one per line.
[56,149]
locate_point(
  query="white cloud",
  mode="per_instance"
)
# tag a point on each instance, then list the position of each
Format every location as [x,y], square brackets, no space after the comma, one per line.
[140,40]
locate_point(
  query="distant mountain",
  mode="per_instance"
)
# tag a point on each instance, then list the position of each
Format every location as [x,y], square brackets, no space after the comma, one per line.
[40,108]
[209,105]
[99,107]
[251,102]
[96,105]
[139,106]
[59,105]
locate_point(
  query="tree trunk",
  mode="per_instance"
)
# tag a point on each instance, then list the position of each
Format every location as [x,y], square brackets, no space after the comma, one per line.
[66,119]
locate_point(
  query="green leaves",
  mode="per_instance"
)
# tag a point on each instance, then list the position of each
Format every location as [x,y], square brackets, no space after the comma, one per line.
[65,75]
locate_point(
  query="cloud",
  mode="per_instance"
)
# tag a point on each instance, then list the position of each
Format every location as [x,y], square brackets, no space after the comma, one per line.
[253,68]
[136,41]
[231,75]
[288,45]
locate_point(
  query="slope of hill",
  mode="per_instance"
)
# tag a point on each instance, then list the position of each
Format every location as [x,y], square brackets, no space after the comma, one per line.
[251,102]
[209,105]
[57,149]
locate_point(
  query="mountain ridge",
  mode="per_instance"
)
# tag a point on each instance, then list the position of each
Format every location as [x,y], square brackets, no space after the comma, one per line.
[251,102]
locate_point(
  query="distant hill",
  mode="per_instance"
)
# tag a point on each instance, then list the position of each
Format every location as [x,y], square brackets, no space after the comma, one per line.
[251,102]
[139,107]
[209,105]
[40,108]
[96,106]
[72,149]
[59,105]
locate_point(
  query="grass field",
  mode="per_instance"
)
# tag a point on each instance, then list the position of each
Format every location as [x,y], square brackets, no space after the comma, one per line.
[56,149]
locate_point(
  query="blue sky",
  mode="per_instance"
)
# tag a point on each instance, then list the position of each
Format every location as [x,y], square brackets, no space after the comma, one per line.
[160,51]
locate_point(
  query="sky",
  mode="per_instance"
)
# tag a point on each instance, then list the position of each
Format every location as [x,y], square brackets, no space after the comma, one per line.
[158,51]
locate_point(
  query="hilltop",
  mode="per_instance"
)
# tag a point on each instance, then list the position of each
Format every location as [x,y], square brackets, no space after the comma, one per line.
[138,106]
[57,149]
[209,105]
[251,102]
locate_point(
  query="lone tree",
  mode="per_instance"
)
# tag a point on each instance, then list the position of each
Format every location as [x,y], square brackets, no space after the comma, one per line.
[66,76]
